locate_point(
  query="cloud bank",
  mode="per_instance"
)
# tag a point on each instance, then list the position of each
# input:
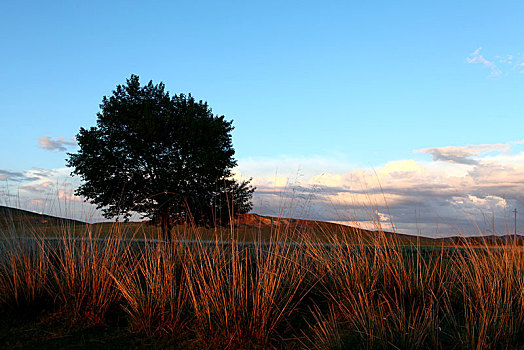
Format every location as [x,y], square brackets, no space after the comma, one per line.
[461,190]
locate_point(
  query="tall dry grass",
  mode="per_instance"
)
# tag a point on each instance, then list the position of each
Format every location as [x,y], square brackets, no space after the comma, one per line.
[241,293]
[486,302]
[154,287]
[385,295]
[81,270]
[381,294]
[292,289]
[24,271]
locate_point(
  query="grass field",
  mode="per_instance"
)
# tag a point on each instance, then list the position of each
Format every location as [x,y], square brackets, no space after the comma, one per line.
[96,286]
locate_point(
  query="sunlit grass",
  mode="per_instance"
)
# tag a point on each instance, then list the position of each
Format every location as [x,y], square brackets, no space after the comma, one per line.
[281,288]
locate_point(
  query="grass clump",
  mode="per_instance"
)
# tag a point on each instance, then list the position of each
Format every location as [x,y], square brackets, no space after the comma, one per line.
[24,273]
[81,269]
[154,289]
[242,294]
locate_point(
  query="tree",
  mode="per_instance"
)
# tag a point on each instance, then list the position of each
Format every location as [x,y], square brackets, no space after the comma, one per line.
[166,157]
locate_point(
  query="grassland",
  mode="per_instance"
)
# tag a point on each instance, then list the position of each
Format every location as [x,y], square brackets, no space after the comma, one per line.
[115,285]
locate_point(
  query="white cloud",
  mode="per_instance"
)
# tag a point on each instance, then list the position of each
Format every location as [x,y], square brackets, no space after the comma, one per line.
[15,176]
[500,64]
[463,154]
[477,58]
[488,201]
[59,144]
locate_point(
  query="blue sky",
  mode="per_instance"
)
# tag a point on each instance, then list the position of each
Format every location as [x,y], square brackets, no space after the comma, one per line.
[334,88]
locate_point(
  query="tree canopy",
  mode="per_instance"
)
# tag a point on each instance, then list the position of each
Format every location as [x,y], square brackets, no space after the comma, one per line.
[166,157]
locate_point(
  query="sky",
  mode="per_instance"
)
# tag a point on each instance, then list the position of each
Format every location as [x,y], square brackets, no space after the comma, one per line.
[409,112]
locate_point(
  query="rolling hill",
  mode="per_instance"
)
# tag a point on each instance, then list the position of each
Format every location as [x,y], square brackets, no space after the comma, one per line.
[14,216]
[18,218]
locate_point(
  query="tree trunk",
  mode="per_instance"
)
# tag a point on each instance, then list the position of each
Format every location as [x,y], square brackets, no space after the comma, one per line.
[166,226]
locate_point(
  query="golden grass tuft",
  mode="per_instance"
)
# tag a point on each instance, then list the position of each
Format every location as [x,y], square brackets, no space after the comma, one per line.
[81,269]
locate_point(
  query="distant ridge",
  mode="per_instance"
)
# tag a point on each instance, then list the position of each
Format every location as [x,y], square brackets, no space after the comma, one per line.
[10,216]
[260,221]
[13,216]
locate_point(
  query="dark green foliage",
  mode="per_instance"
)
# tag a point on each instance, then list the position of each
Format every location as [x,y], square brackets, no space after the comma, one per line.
[166,157]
